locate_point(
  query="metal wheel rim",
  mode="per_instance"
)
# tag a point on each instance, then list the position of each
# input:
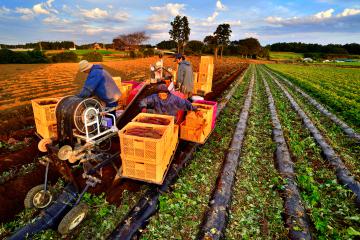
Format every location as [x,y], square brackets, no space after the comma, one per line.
[80,118]
[38,199]
[74,223]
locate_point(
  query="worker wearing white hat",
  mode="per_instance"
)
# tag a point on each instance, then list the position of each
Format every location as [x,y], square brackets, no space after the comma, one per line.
[99,83]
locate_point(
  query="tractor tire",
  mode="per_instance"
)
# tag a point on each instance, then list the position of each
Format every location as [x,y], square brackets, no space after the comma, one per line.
[73,218]
[37,198]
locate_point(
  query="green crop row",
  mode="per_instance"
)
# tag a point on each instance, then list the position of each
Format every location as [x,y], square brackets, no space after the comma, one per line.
[337,88]
[329,205]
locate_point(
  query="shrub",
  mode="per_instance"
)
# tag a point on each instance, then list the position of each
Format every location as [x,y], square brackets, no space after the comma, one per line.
[8,56]
[65,57]
[136,54]
[93,57]
[148,52]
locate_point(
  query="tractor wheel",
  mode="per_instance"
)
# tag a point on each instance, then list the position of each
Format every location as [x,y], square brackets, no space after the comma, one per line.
[38,198]
[73,218]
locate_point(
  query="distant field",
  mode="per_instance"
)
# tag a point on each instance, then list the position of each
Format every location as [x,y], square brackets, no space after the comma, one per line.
[335,87]
[285,55]
[84,51]
[355,64]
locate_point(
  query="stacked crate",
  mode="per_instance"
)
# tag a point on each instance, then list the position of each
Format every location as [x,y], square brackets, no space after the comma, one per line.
[205,75]
[125,89]
[197,128]
[145,158]
[45,116]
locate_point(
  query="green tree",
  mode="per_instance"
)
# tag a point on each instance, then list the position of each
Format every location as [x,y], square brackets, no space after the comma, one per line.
[170,44]
[223,33]
[212,42]
[195,46]
[180,31]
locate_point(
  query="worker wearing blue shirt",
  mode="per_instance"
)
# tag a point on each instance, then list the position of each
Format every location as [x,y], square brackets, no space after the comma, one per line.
[99,83]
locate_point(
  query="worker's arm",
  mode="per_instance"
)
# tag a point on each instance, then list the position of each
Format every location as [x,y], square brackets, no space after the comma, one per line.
[148,102]
[184,104]
[90,85]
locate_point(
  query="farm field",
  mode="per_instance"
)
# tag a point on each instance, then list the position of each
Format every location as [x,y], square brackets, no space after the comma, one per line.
[19,83]
[338,88]
[264,203]
[285,56]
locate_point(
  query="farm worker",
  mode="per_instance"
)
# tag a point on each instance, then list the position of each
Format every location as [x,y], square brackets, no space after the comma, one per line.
[99,83]
[185,76]
[164,102]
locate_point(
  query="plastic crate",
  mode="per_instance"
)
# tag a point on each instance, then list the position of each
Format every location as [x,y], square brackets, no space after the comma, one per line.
[170,118]
[207,59]
[144,149]
[125,89]
[173,144]
[193,133]
[46,131]
[117,81]
[141,116]
[44,110]
[214,106]
[206,75]
[197,129]
[142,171]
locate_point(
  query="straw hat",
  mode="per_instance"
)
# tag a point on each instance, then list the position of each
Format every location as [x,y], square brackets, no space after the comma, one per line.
[84,65]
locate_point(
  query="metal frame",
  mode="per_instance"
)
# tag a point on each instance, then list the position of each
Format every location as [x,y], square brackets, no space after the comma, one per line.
[91,138]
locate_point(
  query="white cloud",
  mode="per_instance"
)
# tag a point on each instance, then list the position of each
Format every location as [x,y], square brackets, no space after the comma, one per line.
[324,14]
[349,12]
[55,20]
[49,2]
[212,17]
[38,9]
[316,18]
[220,6]
[120,16]
[101,14]
[233,23]
[172,9]
[158,26]
[4,10]
[95,13]
[27,13]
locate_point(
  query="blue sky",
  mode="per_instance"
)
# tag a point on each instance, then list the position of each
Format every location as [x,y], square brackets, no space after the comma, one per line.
[317,21]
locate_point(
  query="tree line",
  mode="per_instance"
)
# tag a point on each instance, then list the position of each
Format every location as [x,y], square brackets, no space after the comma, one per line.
[298,47]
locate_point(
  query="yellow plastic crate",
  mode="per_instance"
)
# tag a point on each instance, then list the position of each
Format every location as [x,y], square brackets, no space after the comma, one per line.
[207,59]
[125,89]
[44,110]
[174,142]
[193,133]
[117,81]
[141,116]
[144,149]
[197,129]
[142,171]
[46,131]
[170,118]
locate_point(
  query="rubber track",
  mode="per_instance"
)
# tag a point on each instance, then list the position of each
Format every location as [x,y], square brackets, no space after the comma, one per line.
[295,214]
[343,174]
[138,216]
[214,222]
[347,130]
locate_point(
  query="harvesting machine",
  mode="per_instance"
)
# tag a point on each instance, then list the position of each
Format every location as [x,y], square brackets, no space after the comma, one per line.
[79,138]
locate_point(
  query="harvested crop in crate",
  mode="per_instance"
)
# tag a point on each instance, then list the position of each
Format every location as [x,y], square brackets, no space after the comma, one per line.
[144,132]
[154,120]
